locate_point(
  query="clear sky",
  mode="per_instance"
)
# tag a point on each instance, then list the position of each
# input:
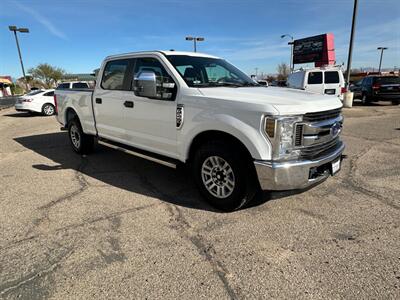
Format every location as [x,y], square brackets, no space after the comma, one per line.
[77,34]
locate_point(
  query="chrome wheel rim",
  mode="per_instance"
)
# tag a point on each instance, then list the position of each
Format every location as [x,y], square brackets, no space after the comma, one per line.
[75,136]
[48,110]
[218,177]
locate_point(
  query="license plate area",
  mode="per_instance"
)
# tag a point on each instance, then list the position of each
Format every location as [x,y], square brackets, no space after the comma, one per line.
[335,166]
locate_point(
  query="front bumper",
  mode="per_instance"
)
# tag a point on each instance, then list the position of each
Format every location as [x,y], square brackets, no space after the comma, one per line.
[292,175]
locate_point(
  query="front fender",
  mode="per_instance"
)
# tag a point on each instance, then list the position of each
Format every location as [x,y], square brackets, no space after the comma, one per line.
[248,134]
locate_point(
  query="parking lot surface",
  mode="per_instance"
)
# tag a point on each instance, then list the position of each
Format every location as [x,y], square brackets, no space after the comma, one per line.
[109,225]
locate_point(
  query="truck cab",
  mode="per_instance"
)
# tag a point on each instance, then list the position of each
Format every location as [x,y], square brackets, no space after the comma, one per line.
[197,109]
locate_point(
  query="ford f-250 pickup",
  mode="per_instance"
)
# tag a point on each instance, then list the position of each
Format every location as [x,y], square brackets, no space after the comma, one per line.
[182,107]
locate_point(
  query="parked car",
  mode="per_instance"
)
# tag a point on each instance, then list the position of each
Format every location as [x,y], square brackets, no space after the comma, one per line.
[325,80]
[262,82]
[281,83]
[379,88]
[73,85]
[356,89]
[197,109]
[39,101]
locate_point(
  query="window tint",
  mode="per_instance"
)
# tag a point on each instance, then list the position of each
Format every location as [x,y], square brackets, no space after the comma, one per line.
[63,86]
[331,77]
[34,92]
[314,77]
[49,94]
[150,64]
[80,85]
[114,74]
[387,80]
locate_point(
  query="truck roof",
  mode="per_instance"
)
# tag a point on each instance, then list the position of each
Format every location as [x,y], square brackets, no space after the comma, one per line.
[169,52]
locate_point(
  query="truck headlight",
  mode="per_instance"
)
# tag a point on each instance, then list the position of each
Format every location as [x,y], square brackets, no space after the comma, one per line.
[280,131]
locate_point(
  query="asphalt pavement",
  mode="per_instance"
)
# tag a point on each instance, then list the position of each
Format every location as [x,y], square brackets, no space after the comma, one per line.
[112,226]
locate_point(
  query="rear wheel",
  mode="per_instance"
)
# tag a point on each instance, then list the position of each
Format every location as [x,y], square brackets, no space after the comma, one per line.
[48,109]
[81,143]
[224,176]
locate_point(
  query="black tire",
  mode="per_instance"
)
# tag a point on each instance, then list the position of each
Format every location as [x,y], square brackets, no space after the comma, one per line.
[81,143]
[245,182]
[395,102]
[364,99]
[48,109]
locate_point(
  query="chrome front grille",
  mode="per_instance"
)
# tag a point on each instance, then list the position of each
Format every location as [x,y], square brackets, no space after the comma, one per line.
[322,115]
[313,152]
[318,134]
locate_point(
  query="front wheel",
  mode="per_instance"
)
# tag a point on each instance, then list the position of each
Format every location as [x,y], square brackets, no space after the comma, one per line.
[81,143]
[224,176]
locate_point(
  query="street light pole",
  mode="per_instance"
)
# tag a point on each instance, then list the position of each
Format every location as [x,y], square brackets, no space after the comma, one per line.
[353,23]
[291,43]
[380,61]
[25,30]
[195,40]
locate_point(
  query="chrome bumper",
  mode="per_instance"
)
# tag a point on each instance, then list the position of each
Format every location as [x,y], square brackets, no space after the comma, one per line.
[292,175]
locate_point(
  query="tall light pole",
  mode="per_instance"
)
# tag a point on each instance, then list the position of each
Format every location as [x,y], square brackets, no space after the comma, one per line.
[353,25]
[380,61]
[291,43]
[23,30]
[195,40]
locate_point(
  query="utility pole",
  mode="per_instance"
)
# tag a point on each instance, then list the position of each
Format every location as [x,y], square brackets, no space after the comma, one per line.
[25,30]
[353,25]
[195,40]
[291,43]
[380,61]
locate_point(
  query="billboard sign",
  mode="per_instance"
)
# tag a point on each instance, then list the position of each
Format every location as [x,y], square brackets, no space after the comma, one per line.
[319,49]
[308,49]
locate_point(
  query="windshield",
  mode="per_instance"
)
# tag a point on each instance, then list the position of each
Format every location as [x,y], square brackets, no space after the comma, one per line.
[387,80]
[35,92]
[209,72]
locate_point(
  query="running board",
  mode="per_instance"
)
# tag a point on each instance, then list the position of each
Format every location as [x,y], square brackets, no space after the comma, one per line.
[168,162]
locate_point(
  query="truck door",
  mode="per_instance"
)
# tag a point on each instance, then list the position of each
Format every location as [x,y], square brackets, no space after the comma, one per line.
[151,123]
[314,82]
[332,83]
[109,97]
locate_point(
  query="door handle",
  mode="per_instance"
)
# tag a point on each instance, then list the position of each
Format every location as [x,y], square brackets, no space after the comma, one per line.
[98,100]
[128,104]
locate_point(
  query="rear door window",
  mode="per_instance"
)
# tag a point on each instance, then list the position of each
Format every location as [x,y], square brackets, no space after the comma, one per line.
[314,78]
[63,86]
[331,77]
[114,74]
[80,85]
[387,80]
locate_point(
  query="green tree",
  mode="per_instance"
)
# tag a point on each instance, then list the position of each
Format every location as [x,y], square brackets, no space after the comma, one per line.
[47,74]
[283,71]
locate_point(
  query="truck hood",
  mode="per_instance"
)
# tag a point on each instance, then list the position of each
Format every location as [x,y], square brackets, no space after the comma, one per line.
[287,101]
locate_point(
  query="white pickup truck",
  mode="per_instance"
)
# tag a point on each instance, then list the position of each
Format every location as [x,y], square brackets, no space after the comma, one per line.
[182,107]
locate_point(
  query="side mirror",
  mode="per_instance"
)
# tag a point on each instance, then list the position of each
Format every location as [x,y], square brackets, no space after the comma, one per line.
[145,84]
[148,84]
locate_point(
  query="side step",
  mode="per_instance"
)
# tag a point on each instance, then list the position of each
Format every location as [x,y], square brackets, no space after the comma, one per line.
[160,159]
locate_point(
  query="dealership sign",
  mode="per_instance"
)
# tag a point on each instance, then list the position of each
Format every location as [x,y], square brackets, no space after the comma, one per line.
[318,49]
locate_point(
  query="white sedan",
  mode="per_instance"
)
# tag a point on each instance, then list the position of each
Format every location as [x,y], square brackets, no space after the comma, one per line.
[40,101]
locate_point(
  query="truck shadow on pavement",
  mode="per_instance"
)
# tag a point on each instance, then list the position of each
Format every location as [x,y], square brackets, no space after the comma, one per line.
[111,167]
